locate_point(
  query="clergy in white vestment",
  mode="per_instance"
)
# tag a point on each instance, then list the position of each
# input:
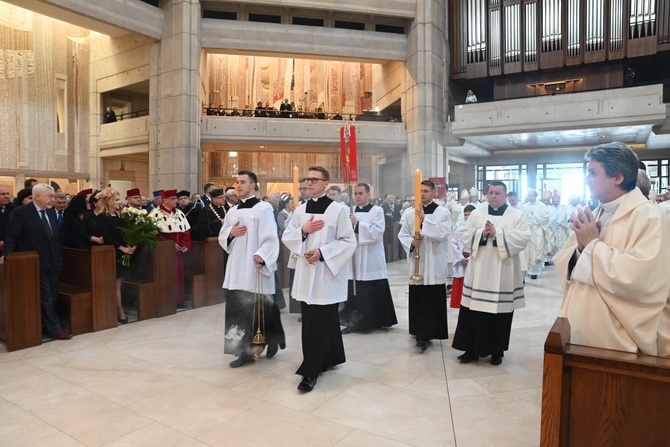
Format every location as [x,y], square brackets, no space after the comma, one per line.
[321,237]
[371,306]
[513,200]
[614,268]
[427,297]
[493,286]
[249,236]
[537,216]
[560,227]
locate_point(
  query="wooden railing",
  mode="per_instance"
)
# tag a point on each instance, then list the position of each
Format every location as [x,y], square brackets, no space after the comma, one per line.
[87,288]
[204,271]
[20,308]
[600,397]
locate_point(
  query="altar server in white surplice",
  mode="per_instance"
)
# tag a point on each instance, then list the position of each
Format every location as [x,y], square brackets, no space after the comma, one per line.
[614,267]
[537,216]
[427,298]
[249,236]
[371,306]
[321,236]
[493,288]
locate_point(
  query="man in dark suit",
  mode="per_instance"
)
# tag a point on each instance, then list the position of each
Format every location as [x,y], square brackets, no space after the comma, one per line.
[33,227]
[6,208]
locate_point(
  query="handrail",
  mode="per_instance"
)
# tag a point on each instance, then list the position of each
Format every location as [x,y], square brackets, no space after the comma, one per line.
[274,113]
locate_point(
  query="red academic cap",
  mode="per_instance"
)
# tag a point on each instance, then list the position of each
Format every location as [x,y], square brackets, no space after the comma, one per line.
[85,192]
[133,192]
[169,193]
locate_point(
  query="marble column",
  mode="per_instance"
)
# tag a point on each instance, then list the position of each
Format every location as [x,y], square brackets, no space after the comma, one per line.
[424,101]
[174,134]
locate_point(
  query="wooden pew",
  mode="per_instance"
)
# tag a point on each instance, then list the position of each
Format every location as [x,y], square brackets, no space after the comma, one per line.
[598,397]
[155,294]
[195,273]
[87,288]
[20,307]
[215,271]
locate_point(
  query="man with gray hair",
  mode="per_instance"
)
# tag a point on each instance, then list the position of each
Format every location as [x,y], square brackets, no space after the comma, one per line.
[33,227]
[614,268]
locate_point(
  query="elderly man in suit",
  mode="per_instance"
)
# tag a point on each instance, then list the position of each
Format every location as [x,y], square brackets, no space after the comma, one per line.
[33,227]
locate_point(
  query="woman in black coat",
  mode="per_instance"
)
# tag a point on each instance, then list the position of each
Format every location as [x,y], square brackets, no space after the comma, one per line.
[71,229]
[109,221]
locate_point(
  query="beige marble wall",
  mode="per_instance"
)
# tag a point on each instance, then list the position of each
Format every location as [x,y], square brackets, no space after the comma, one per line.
[174,140]
[36,55]
[115,63]
[424,97]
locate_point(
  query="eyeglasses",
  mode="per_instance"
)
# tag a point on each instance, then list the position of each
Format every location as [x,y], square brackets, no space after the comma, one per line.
[314,179]
[304,188]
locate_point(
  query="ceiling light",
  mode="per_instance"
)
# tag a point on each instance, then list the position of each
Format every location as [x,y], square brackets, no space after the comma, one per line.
[233,154]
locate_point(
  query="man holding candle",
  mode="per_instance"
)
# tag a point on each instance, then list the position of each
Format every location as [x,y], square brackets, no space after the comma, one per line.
[429,230]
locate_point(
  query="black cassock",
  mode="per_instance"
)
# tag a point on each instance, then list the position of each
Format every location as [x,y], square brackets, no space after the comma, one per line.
[428,305]
[322,345]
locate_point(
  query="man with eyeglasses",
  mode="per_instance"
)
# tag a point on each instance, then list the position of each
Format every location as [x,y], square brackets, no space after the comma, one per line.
[231,198]
[321,236]
[188,208]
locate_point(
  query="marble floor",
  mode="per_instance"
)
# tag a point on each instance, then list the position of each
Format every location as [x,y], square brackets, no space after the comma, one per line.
[166,382]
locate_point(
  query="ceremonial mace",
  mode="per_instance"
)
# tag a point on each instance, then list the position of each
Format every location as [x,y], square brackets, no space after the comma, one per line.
[258,319]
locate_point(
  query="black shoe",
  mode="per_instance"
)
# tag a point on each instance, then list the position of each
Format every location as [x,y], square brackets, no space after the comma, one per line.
[467,357]
[423,344]
[124,321]
[546,263]
[241,361]
[348,330]
[183,306]
[533,276]
[496,360]
[272,350]
[282,343]
[307,384]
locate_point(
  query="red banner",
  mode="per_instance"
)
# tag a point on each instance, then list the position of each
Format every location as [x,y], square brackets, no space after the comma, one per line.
[349,160]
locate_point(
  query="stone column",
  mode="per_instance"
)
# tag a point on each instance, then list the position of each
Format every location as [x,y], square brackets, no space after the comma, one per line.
[174,134]
[424,100]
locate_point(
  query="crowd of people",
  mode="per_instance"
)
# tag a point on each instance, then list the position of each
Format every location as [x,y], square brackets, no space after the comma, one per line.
[616,283]
[286,110]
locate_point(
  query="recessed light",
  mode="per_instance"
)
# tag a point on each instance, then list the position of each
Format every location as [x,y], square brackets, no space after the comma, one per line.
[233,154]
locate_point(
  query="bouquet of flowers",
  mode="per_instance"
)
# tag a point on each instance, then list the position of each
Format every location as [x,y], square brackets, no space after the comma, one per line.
[138,229]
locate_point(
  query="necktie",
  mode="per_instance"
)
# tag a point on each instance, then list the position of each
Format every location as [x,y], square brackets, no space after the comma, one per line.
[60,218]
[46,222]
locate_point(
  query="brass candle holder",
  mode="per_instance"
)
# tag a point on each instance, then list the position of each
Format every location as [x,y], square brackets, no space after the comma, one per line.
[417,256]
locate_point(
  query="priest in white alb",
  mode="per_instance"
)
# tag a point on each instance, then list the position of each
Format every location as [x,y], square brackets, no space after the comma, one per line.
[614,267]
[537,216]
[321,237]
[427,297]
[370,305]
[249,236]
[494,236]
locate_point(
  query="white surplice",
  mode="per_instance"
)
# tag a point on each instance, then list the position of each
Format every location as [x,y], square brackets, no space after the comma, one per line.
[493,280]
[325,281]
[537,217]
[369,258]
[260,239]
[436,233]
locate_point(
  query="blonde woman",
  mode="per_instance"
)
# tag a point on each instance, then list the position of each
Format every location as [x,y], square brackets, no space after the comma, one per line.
[109,222]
